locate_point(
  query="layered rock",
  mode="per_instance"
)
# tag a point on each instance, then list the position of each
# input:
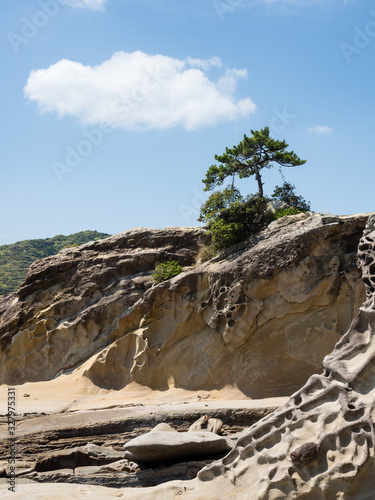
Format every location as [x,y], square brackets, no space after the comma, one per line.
[318,446]
[260,317]
[71,303]
[78,456]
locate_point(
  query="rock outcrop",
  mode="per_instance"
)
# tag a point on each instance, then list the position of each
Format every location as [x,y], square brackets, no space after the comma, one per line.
[260,318]
[71,304]
[318,446]
[59,448]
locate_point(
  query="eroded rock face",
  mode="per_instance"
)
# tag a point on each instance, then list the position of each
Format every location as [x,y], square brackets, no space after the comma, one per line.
[71,303]
[320,445]
[260,318]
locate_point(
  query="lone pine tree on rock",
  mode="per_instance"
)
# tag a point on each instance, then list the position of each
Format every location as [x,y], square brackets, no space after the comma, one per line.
[249,157]
[231,218]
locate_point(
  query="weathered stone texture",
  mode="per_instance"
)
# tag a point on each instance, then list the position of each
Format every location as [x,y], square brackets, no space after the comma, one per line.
[71,303]
[260,318]
[320,445]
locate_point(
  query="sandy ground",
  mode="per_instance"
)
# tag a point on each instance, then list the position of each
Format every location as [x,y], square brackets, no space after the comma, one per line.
[73,392]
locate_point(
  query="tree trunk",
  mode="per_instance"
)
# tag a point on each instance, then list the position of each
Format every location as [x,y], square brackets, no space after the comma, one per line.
[259,180]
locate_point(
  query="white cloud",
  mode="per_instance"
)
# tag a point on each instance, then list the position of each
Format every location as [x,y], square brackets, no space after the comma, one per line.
[139,91]
[86,4]
[204,63]
[321,130]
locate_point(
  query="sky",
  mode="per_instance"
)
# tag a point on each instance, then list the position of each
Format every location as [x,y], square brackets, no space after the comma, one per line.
[112,111]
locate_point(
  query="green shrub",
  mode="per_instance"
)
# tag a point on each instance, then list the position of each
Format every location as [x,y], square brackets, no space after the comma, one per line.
[166,270]
[231,218]
[287,194]
[286,211]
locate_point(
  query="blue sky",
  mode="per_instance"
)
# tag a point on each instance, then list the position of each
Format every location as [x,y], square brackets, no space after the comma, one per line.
[112,111]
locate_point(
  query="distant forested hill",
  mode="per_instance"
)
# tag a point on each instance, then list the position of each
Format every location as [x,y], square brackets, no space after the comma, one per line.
[15,259]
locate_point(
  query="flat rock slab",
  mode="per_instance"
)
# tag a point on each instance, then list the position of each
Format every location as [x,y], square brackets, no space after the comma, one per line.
[163,446]
[100,421]
[35,491]
[71,458]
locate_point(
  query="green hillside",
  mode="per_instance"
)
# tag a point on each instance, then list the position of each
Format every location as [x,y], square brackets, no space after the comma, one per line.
[15,259]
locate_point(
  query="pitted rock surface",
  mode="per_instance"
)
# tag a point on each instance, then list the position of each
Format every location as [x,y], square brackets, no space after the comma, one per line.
[318,446]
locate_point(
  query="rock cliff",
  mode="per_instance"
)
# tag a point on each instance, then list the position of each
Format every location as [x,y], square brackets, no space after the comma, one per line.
[318,446]
[71,303]
[259,318]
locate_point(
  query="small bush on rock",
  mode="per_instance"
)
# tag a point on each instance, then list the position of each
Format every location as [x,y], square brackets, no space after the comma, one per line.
[287,194]
[286,211]
[230,218]
[166,271]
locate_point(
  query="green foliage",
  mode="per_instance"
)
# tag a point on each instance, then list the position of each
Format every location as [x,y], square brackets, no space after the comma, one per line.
[286,211]
[249,157]
[219,201]
[15,259]
[166,270]
[230,218]
[287,194]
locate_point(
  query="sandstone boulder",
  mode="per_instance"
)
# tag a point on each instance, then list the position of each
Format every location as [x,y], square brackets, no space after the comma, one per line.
[206,423]
[163,426]
[160,446]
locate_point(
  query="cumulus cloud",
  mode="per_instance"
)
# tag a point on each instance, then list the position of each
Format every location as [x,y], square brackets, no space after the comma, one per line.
[140,91]
[86,4]
[321,130]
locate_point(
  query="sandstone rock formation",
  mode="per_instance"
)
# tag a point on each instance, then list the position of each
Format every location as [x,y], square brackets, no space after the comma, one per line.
[78,456]
[45,443]
[258,319]
[206,423]
[164,446]
[320,445]
[71,304]
[284,297]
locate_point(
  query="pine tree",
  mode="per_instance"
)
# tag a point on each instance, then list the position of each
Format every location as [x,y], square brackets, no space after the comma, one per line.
[249,157]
